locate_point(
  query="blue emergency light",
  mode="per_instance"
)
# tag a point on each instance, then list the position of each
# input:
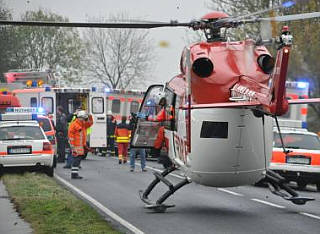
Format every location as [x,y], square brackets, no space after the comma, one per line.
[302,85]
[304,124]
[47,89]
[288,4]
[40,110]
[34,84]
[93,89]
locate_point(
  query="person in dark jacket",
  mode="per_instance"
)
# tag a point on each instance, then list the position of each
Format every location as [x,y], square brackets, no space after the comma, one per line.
[136,151]
[71,117]
[111,126]
[61,133]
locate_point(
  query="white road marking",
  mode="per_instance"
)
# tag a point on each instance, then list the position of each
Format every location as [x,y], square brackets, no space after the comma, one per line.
[100,206]
[310,215]
[230,192]
[268,203]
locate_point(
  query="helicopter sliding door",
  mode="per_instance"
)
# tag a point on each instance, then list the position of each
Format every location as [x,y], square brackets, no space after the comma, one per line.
[145,132]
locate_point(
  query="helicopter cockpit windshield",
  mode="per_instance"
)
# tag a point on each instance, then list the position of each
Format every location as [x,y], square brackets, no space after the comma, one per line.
[215,34]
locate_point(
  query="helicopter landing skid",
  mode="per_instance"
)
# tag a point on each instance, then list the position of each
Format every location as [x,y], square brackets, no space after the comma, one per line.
[277,182]
[158,206]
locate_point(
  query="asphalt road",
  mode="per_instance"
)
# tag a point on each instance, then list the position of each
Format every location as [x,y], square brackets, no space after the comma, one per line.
[199,209]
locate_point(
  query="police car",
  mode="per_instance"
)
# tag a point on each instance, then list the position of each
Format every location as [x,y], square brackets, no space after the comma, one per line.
[302,162]
[23,143]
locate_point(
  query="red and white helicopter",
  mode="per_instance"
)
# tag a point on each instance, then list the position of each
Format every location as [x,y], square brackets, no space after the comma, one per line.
[222,106]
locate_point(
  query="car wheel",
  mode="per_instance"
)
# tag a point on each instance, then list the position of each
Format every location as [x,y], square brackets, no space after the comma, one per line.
[49,171]
[301,185]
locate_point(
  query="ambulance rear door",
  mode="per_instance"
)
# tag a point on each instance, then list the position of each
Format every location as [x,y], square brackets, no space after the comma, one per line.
[48,103]
[97,107]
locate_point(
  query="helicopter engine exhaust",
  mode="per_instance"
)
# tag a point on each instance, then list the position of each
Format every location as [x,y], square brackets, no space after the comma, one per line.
[266,63]
[202,67]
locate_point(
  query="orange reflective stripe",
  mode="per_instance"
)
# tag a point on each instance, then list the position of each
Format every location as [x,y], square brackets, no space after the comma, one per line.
[43,152]
[3,153]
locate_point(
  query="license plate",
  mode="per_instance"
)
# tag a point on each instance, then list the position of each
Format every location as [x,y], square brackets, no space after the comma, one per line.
[298,160]
[19,150]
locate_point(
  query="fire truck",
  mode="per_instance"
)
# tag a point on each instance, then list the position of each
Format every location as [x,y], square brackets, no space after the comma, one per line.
[97,101]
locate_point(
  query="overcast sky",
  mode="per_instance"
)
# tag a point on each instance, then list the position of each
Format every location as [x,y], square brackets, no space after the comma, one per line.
[167,64]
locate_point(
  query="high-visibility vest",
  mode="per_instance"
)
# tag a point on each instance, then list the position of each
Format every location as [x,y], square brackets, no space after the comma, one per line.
[122,134]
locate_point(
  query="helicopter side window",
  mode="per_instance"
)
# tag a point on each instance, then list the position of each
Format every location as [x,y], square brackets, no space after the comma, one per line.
[214,129]
[170,96]
[176,111]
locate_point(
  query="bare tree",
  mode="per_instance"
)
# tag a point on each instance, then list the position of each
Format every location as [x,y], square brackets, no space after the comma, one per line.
[118,58]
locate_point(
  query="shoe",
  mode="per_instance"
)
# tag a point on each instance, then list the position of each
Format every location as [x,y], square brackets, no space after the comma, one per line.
[144,170]
[120,161]
[67,167]
[132,170]
[76,177]
[125,161]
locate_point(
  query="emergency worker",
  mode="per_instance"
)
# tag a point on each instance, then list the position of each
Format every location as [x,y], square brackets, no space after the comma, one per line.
[160,140]
[111,126]
[61,133]
[77,138]
[70,119]
[122,135]
[161,116]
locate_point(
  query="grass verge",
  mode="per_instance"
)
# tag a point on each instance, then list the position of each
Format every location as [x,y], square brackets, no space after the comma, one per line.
[49,208]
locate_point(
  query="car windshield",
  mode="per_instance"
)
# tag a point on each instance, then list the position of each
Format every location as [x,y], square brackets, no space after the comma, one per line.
[21,133]
[297,141]
[45,124]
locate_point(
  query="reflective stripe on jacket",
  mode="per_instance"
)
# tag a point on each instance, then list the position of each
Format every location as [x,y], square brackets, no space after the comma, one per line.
[122,133]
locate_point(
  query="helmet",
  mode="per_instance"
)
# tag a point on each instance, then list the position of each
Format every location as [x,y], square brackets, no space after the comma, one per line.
[82,114]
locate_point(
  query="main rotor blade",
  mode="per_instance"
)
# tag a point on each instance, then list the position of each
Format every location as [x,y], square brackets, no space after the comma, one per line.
[94,25]
[283,5]
[292,17]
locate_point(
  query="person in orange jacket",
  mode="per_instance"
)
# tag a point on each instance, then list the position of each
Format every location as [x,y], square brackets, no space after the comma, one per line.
[77,134]
[122,134]
[160,141]
[161,116]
